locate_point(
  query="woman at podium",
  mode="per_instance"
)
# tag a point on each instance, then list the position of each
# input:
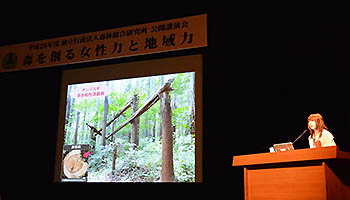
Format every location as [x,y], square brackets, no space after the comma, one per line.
[319,134]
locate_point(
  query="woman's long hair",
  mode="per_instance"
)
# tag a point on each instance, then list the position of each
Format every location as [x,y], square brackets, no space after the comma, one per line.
[319,123]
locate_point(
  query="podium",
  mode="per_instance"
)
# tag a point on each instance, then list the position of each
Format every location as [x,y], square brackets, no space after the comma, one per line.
[310,174]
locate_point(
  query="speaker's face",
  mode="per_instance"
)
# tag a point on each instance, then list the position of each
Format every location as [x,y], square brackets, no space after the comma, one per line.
[312,124]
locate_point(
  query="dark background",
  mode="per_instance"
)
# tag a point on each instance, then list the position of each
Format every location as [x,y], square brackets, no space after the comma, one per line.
[267,67]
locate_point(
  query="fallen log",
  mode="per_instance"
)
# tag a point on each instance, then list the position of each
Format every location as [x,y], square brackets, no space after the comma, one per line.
[146,106]
[125,107]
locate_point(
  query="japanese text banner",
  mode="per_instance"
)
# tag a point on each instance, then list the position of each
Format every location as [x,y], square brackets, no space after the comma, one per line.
[169,35]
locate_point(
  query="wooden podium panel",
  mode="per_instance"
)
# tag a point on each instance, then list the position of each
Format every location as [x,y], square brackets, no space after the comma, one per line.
[286,183]
[301,174]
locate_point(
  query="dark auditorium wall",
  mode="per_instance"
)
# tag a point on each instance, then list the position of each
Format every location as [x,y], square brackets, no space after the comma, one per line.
[266,68]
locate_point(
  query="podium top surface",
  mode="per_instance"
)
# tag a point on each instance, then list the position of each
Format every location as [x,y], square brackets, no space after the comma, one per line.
[309,154]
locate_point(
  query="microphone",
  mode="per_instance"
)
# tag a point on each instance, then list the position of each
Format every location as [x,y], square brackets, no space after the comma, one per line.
[299,136]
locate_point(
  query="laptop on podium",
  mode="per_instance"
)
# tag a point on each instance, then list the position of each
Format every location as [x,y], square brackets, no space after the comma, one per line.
[288,146]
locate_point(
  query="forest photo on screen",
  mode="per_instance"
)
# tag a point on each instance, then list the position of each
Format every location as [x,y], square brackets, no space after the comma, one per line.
[131,130]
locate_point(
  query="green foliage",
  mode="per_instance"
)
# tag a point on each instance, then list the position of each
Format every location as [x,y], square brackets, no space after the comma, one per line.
[180,117]
[184,158]
[144,163]
[180,82]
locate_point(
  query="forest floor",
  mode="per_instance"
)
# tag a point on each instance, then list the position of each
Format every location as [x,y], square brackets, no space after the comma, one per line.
[122,176]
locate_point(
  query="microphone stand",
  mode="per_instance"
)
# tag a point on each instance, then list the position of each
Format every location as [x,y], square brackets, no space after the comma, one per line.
[299,136]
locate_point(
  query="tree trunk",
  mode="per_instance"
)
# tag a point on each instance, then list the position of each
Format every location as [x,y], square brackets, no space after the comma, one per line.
[135,123]
[69,99]
[160,112]
[192,120]
[154,131]
[76,129]
[86,136]
[113,125]
[72,103]
[167,140]
[92,135]
[114,158]
[92,141]
[104,123]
